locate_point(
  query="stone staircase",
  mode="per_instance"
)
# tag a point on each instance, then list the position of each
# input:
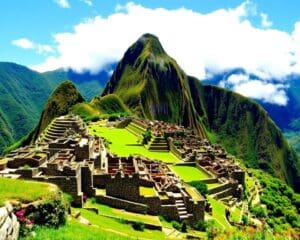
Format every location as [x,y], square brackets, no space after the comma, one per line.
[60,125]
[181,209]
[136,129]
[158,144]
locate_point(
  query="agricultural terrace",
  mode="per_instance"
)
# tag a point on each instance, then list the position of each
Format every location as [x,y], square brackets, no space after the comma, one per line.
[13,189]
[124,143]
[189,173]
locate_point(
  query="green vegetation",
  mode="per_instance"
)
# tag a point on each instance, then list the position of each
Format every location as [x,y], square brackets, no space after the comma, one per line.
[200,186]
[14,189]
[193,192]
[23,94]
[281,203]
[219,213]
[119,226]
[124,143]
[64,97]
[188,173]
[152,84]
[75,231]
[247,132]
[109,104]
[117,213]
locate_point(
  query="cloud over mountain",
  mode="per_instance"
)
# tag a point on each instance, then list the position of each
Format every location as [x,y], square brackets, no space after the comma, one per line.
[201,43]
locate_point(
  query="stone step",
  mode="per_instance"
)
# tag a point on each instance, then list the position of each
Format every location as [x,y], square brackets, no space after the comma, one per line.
[182,217]
[179,204]
[181,208]
[182,213]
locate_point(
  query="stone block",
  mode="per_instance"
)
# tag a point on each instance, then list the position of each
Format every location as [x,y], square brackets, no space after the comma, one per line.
[3,215]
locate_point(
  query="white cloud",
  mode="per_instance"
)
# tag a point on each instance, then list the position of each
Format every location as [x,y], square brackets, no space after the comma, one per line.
[265,22]
[88,2]
[23,43]
[202,44]
[267,92]
[63,3]
[28,44]
[264,90]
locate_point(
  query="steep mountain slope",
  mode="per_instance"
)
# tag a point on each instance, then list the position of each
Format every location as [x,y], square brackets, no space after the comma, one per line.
[64,97]
[152,85]
[245,129]
[23,93]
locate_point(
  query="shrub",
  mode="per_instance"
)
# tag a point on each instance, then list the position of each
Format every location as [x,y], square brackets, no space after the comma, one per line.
[146,137]
[176,225]
[245,219]
[200,186]
[200,226]
[258,211]
[138,226]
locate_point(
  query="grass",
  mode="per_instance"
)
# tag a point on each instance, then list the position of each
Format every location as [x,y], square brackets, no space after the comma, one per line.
[25,191]
[188,173]
[147,191]
[235,214]
[193,193]
[75,231]
[109,224]
[219,212]
[212,185]
[117,213]
[124,143]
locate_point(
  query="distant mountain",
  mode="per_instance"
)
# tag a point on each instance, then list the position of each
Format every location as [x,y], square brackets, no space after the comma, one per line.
[152,85]
[24,93]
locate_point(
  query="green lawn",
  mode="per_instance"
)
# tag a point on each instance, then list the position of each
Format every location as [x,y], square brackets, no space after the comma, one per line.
[109,224]
[218,209]
[188,173]
[75,231]
[235,214]
[114,212]
[26,191]
[124,143]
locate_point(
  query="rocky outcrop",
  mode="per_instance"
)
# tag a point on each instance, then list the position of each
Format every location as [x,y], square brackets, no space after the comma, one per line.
[9,225]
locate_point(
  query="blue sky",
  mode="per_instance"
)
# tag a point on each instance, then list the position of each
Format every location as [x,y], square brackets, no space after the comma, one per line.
[204,36]
[40,19]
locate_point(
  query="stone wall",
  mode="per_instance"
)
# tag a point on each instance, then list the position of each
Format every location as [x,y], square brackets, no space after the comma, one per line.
[122,204]
[9,225]
[169,212]
[126,187]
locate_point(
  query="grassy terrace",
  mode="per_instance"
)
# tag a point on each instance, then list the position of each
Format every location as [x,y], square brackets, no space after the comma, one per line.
[188,173]
[219,213]
[124,143]
[147,191]
[121,214]
[25,191]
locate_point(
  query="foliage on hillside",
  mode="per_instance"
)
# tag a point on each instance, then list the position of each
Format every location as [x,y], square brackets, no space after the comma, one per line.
[283,204]
[60,103]
[23,94]
[246,131]
[109,104]
[152,85]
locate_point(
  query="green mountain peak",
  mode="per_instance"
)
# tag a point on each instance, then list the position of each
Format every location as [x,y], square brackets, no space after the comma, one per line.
[60,102]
